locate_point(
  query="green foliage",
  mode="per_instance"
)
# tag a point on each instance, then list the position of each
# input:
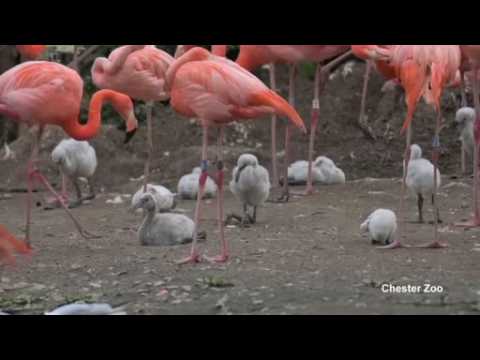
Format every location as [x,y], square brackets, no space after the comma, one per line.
[307,70]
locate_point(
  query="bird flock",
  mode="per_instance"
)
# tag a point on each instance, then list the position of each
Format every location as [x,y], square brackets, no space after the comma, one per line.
[207,86]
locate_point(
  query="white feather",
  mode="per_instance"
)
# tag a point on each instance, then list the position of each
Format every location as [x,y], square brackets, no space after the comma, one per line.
[253,185]
[381,226]
[164,198]
[87,309]
[420,174]
[189,184]
[324,172]
[162,229]
[465,119]
[77,159]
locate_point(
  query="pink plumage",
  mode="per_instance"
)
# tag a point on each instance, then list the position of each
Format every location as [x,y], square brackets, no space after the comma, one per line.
[217,91]
[139,73]
[44,93]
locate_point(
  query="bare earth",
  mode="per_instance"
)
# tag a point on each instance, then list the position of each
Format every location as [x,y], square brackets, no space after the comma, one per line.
[305,257]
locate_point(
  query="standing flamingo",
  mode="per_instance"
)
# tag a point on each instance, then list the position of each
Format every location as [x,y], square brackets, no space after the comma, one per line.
[139,72]
[472,54]
[216,91]
[10,244]
[252,56]
[46,93]
[423,71]
[27,53]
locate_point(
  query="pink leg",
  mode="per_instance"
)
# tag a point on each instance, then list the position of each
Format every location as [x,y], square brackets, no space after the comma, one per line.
[319,85]
[462,90]
[365,90]
[288,129]
[146,178]
[397,244]
[34,173]
[85,234]
[463,104]
[436,154]
[224,256]
[273,85]
[30,178]
[53,201]
[475,222]
[64,186]
[194,255]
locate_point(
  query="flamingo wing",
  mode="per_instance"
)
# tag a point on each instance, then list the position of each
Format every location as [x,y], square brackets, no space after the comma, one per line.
[219,91]
[41,91]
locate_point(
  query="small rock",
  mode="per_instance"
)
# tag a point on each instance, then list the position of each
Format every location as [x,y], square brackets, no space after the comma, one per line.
[38,287]
[221,304]
[116,201]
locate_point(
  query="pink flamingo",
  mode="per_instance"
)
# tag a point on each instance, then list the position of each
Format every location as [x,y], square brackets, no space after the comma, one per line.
[471,61]
[216,91]
[423,71]
[253,56]
[139,72]
[31,52]
[10,244]
[45,93]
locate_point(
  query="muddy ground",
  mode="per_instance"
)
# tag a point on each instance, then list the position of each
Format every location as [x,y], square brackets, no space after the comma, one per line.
[306,257]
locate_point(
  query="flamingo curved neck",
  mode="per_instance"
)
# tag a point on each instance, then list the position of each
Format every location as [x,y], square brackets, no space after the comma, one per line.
[247,61]
[83,132]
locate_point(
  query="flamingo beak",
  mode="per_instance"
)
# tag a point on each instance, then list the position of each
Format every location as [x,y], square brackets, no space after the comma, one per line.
[130,135]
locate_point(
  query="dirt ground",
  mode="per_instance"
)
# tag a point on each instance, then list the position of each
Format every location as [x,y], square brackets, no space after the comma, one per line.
[305,257]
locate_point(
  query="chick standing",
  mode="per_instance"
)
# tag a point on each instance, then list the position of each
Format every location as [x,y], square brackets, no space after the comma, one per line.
[420,179]
[464,119]
[250,185]
[76,159]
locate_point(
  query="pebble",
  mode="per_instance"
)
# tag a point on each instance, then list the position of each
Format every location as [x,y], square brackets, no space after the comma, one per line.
[116,201]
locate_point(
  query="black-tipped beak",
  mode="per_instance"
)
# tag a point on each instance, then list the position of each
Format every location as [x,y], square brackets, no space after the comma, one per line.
[130,136]
[239,172]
